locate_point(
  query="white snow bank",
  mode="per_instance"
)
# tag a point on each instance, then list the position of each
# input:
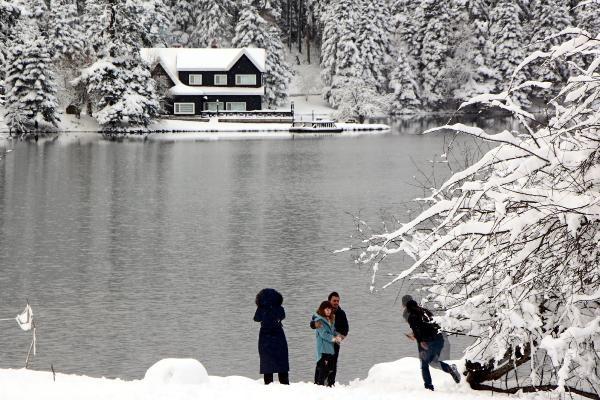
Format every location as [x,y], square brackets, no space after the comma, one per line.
[177,371]
[395,380]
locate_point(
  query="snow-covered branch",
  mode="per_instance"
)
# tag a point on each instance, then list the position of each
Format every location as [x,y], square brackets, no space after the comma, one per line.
[510,245]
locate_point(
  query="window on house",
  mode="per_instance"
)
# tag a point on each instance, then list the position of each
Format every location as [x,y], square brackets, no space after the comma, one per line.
[236,106]
[195,79]
[245,79]
[221,80]
[212,106]
[184,108]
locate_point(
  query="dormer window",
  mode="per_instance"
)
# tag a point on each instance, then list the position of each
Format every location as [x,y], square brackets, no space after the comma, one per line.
[249,79]
[220,80]
[195,79]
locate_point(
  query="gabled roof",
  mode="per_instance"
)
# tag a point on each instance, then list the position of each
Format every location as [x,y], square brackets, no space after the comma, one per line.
[173,60]
[205,59]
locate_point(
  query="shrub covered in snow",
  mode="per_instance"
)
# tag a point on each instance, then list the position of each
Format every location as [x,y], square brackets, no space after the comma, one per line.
[510,245]
[360,100]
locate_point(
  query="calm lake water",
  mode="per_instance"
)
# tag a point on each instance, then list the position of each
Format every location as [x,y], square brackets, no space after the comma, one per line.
[133,252]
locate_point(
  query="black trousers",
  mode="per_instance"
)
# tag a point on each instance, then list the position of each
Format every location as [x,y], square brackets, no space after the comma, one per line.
[284,378]
[331,378]
[324,369]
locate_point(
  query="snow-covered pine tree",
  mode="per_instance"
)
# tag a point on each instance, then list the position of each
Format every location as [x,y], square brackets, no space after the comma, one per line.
[549,17]
[9,18]
[93,21]
[31,105]
[405,88]
[213,24]
[339,54]
[586,16]
[315,14]
[157,17]
[508,37]
[471,60]
[37,9]
[65,34]
[278,74]
[270,9]
[373,40]
[436,51]
[119,83]
[509,246]
[123,91]
[410,24]
[185,14]
[252,30]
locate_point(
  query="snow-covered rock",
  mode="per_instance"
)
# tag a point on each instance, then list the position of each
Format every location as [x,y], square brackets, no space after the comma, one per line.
[177,371]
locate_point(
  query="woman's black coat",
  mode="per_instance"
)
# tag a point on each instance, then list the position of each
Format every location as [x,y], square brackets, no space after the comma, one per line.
[272,345]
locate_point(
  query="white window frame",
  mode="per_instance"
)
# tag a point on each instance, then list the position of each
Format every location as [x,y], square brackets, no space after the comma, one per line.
[240,77]
[195,79]
[208,104]
[229,106]
[220,83]
[177,108]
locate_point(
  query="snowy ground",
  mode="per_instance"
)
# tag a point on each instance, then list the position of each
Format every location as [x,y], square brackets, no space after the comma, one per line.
[168,129]
[396,380]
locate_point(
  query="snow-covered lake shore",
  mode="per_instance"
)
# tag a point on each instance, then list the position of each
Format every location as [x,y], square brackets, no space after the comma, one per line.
[394,380]
[171,130]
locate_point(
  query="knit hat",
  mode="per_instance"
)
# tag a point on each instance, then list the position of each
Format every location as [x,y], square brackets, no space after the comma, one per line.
[406,298]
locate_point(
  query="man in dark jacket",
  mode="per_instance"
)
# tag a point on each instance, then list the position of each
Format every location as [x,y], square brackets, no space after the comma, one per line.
[430,341]
[341,327]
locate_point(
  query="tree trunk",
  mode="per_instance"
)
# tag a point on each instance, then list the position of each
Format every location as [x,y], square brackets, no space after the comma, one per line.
[80,5]
[478,373]
[307,45]
[299,27]
[289,15]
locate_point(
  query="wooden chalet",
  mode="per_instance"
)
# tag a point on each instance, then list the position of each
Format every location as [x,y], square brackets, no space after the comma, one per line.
[209,79]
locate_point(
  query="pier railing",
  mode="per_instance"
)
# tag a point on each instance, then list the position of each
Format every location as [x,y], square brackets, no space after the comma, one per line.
[248,114]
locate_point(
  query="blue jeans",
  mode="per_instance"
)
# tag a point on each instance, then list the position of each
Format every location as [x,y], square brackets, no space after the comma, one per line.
[431,356]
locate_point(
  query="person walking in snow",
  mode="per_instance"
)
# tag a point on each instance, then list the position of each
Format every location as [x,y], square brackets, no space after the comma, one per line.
[272,344]
[430,341]
[326,336]
[341,327]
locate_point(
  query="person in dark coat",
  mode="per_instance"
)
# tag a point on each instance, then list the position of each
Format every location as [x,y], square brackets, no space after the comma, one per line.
[444,355]
[430,341]
[272,345]
[341,327]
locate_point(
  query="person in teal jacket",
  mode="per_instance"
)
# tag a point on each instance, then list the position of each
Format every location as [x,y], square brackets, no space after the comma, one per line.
[326,336]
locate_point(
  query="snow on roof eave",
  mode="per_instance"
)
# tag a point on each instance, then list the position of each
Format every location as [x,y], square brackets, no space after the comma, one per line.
[259,63]
[174,78]
[184,90]
[245,51]
[167,57]
[157,53]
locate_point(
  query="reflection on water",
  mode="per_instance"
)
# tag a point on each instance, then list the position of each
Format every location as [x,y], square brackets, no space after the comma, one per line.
[133,252]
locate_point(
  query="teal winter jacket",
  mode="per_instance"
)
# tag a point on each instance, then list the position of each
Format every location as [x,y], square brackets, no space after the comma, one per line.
[324,336]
